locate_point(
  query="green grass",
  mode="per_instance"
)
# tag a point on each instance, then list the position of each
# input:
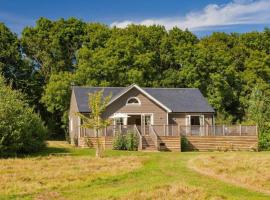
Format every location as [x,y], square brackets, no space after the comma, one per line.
[120,175]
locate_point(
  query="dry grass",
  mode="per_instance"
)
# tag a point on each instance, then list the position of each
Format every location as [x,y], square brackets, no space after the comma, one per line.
[247,170]
[35,175]
[171,192]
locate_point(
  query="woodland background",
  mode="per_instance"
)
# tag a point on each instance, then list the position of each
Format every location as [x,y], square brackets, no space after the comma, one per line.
[231,70]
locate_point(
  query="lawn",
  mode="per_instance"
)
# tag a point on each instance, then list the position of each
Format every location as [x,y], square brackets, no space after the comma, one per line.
[64,172]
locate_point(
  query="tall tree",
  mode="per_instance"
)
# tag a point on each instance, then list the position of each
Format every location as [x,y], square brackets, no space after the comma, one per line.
[52,45]
[259,112]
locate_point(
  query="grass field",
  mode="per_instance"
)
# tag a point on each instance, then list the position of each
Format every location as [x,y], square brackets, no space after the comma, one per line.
[63,172]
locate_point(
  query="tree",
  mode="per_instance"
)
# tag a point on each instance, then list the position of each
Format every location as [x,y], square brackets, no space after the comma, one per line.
[56,100]
[52,45]
[97,105]
[259,112]
[21,130]
[15,70]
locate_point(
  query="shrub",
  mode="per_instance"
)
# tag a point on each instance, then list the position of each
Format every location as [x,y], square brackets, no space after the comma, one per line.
[132,141]
[119,142]
[264,141]
[184,143]
[21,130]
[128,142]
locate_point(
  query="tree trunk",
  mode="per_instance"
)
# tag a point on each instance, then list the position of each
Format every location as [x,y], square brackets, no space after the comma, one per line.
[98,145]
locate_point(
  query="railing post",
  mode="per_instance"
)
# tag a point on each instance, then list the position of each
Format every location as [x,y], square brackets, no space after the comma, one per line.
[223,130]
[240,129]
[164,130]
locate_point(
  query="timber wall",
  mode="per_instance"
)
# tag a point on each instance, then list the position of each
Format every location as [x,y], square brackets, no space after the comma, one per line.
[220,143]
[86,142]
[170,143]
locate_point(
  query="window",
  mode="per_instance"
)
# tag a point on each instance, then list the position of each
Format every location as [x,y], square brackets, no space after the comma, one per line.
[119,121]
[147,120]
[194,120]
[133,101]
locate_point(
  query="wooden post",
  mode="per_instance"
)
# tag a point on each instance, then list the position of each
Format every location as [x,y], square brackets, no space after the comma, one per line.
[120,129]
[164,130]
[105,131]
[240,129]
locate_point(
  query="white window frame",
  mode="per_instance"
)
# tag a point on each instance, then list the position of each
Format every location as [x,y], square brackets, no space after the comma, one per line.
[133,104]
[151,118]
[188,118]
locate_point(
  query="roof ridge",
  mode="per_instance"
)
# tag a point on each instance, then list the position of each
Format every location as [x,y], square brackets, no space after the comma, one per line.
[168,88]
[129,86]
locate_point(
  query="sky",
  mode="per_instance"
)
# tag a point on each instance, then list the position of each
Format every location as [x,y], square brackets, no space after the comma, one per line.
[199,16]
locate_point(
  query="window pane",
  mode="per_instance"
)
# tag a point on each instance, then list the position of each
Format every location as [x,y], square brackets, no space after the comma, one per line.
[147,120]
[119,121]
[195,120]
[133,101]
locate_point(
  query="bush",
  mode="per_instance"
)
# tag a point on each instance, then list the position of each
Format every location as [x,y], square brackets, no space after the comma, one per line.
[126,142]
[119,142]
[264,141]
[184,143]
[132,141]
[21,130]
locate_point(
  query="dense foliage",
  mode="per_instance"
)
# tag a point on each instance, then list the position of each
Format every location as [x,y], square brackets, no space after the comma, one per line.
[129,142]
[21,130]
[62,53]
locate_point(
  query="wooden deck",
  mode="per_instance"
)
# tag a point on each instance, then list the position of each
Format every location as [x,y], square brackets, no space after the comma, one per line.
[204,138]
[220,143]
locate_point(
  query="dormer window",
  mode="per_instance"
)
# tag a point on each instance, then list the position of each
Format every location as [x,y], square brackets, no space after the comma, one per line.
[133,101]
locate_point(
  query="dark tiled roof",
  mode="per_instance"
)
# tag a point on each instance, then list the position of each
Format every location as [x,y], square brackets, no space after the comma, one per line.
[176,99]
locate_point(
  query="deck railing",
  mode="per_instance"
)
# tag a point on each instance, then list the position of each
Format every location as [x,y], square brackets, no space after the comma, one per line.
[107,131]
[217,130]
[139,136]
[174,130]
[154,136]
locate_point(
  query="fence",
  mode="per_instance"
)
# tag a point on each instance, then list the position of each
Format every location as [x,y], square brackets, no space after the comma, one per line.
[107,131]
[174,130]
[217,130]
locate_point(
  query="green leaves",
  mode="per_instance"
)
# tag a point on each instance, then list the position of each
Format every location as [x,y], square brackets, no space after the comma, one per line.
[52,56]
[21,130]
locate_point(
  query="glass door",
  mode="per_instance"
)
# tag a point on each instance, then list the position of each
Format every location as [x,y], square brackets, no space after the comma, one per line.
[147,123]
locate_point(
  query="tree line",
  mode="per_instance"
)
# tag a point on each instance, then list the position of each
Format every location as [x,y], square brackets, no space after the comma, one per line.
[50,57]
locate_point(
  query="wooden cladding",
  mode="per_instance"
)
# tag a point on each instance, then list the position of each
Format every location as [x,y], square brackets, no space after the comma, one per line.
[188,143]
[220,143]
[91,142]
[170,143]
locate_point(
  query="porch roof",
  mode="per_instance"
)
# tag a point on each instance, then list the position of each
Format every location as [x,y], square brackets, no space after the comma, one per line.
[176,99]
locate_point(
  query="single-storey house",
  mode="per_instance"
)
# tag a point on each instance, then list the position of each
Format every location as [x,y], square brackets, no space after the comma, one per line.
[156,114]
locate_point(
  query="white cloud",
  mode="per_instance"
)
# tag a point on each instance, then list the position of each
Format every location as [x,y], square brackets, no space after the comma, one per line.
[234,13]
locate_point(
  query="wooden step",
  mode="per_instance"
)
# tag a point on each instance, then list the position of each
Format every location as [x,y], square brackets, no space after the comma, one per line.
[148,144]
